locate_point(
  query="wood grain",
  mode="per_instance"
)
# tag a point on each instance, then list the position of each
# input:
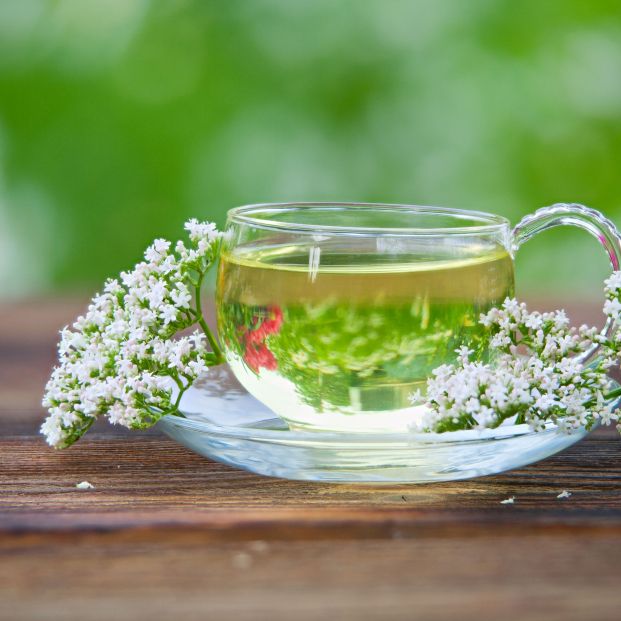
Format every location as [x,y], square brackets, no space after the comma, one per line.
[168,533]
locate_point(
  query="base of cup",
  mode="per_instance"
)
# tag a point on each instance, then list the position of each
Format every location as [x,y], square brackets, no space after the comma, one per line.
[389,421]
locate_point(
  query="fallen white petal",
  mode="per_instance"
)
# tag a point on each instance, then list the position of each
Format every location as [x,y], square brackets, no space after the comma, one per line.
[508,501]
[85,485]
[564,494]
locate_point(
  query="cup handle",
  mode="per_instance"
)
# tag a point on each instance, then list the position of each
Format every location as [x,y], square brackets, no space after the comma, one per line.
[583,217]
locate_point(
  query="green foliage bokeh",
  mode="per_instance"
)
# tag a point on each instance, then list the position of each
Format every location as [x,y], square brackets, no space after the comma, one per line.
[120,119]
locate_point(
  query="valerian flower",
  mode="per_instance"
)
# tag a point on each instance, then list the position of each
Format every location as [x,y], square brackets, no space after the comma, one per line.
[122,358]
[541,371]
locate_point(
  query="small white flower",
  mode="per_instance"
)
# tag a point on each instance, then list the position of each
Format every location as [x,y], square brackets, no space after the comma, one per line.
[201,231]
[613,283]
[508,501]
[168,314]
[560,320]
[416,397]
[198,367]
[564,494]
[464,353]
[534,321]
[500,340]
[157,251]
[84,485]
[181,296]
[612,308]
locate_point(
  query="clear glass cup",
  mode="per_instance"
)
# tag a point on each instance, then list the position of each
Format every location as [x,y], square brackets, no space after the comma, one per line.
[334,314]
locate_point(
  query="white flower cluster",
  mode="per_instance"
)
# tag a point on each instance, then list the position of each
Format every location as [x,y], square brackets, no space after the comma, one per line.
[120,359]
[537,373]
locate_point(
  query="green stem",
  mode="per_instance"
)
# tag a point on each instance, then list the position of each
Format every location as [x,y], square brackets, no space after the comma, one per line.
[203,324]
[174,408]
[172,412]
[613,393]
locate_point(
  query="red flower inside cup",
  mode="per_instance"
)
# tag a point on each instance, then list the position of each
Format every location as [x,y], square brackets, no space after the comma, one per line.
[256,353]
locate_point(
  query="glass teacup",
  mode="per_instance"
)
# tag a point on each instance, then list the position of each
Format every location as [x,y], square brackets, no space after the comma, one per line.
[334,314]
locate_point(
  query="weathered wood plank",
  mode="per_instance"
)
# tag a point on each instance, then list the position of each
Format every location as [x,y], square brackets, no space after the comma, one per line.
[149,480]
[533,577]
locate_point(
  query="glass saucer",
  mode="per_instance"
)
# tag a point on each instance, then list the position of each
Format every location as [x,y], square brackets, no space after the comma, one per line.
[223,422]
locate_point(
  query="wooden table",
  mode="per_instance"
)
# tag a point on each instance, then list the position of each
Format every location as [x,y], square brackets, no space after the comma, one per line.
[167,534]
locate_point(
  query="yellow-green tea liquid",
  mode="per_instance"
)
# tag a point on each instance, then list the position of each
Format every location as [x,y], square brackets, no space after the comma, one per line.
[319,337]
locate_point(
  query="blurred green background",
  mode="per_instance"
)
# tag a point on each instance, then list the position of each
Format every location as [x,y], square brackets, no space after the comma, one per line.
[121,118]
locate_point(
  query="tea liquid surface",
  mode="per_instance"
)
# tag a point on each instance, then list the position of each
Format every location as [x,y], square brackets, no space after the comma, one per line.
[316,334]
